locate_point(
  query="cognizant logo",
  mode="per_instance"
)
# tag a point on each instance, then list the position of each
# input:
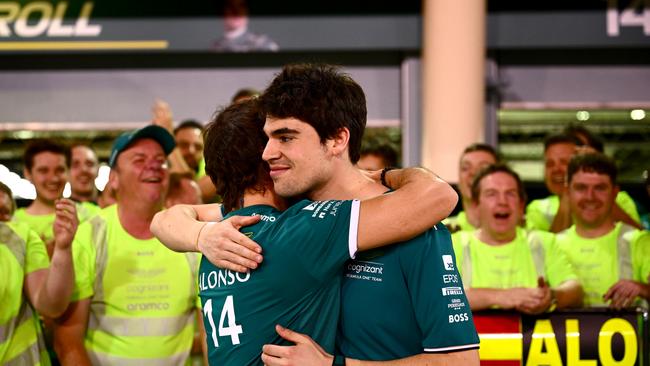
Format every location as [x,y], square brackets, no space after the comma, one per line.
[365,267]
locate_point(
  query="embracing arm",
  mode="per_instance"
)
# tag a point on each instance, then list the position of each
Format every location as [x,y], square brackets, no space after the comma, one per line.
[179,226]
[70,332]
[420,200]
[194,228]
[307,352]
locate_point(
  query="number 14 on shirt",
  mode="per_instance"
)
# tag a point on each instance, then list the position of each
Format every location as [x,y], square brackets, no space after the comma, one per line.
[228,311]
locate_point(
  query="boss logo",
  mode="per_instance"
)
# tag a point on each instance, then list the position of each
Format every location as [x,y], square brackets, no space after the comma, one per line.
[457,318]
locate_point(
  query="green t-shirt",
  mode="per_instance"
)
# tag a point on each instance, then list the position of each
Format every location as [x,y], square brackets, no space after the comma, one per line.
[21,252]
[459,222]
[405,299]
[43,224]
[511,264]
[298,284]
[142,295]
[596,261]
[541,212]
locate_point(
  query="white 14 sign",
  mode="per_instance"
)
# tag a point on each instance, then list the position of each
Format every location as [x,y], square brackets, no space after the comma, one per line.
[228,311]
[637,14]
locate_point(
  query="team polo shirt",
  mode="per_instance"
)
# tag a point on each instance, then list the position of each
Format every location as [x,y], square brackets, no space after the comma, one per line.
[541,212]
[511,264]
[459,222]
[43,224]
[405,299]
[596,261]
[297,286]
[22,252]
[142,295]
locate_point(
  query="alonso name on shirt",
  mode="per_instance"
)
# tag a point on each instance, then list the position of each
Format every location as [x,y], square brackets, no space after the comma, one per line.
[221,277]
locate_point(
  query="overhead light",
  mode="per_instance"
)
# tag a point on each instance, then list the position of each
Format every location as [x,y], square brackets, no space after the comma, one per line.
[637,114]
[582,115]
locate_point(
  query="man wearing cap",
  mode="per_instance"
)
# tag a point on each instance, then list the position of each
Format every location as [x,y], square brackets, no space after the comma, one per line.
[135,299]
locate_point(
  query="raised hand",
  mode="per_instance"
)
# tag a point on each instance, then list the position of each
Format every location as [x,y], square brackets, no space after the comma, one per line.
[65,223]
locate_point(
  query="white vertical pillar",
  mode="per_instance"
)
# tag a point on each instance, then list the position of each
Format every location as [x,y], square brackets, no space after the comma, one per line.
[453,86]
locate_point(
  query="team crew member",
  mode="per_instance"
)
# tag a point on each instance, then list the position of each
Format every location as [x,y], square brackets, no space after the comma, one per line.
[288,288]
[7,203]
[46,166]
[315,118]
[553,213]
[610,257]
[84,168]
[474,158]
[30,283]
[505,266]
[134,303]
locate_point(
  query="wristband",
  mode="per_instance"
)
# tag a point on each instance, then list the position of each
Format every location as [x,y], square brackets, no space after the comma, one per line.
[383,175]
[339,360]
[196,244]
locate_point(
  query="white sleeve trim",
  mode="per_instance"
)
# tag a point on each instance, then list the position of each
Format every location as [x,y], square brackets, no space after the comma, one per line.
[452,348]
[353,245]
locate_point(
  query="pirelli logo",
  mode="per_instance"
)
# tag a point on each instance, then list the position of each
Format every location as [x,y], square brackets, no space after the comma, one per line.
[451,291]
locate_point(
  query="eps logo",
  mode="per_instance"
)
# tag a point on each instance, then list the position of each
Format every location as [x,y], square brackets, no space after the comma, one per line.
[457,318]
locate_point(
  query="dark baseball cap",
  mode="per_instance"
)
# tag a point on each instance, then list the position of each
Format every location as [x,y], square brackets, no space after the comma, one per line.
[157,133]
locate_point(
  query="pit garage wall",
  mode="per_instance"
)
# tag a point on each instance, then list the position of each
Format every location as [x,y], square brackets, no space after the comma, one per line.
[99,98]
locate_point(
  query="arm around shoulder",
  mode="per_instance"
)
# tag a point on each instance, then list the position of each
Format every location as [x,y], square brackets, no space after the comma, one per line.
[420,200]
[178,227]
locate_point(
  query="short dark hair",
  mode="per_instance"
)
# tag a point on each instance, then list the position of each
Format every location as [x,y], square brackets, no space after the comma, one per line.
[592,163]
[592,140]
[479,146]
[245,93]
[189,123]
[384,151]
[5,188]
[560,138]
[496,168]
[36,147]
[234,141]
[322,96]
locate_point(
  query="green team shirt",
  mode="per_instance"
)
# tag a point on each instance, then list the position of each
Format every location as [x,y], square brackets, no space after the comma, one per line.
[142,295]
[43,224]
[21,252]
[511,264]
[596,261]
[541,212]
[405,299]
[459,221]
[297,286]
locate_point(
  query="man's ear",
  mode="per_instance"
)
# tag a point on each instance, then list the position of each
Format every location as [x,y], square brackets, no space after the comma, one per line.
[27,175]
[340,141]
[113,179]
